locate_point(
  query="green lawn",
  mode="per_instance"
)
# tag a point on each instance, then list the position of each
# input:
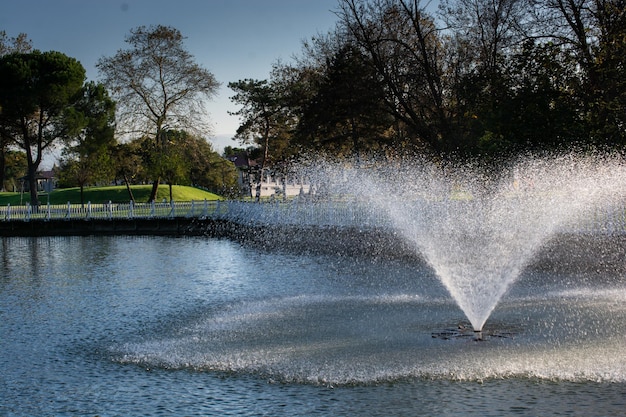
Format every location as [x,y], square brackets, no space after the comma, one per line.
[115,194]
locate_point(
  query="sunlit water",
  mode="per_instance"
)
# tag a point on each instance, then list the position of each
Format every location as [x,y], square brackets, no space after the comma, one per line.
[122,326]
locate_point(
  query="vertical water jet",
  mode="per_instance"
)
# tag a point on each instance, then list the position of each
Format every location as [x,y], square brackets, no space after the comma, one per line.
[479,230]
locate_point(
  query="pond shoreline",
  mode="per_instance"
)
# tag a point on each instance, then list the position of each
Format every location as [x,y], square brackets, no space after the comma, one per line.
[83,227]
[571,252]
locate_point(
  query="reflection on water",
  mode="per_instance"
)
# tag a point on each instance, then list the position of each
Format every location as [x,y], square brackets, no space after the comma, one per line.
[165,326]
[368,339]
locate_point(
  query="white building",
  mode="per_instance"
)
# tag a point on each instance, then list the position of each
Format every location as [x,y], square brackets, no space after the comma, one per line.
[272,183]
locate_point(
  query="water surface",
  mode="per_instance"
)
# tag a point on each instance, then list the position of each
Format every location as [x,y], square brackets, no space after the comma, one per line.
[115,326]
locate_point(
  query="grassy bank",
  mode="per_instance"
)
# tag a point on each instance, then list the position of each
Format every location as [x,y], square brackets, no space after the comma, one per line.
[115,194]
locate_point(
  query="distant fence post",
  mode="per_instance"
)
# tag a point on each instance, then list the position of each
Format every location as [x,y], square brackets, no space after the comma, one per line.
[68,215]
[131,209]
[28,211]
[8,216]
[110,210]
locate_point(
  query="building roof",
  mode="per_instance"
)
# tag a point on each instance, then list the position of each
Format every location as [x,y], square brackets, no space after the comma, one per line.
[241,160]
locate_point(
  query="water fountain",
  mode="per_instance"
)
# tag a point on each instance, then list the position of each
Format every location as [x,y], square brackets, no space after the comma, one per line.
[202,326]
[479,231]
[344,320]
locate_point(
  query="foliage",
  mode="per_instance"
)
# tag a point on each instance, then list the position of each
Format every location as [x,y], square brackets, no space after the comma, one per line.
[19,43]
[204,167]
[158,88]
[8,45]
[15,168]
[346,113]
[37,91]
[608,116]
[404,48]
[87,157]
[264,120]
[184,159]
[129,168]
[479,79]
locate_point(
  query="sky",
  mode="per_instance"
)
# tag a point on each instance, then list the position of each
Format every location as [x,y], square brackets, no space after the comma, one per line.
[233,39]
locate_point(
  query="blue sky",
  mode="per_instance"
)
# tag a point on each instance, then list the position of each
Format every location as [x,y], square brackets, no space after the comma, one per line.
[234,39]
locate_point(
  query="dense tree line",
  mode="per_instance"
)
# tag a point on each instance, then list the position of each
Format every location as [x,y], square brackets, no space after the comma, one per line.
[473,78]
[148,98]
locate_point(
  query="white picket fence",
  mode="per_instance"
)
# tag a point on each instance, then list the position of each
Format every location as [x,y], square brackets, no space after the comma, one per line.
[323,213]
[109,211]
[331,213]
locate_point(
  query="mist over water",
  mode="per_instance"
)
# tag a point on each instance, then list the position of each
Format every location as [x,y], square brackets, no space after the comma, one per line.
[368,339]
[478,229]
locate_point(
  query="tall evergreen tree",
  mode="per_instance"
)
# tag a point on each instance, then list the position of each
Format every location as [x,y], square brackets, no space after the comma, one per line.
[8,45]
[37,90]
[264,121]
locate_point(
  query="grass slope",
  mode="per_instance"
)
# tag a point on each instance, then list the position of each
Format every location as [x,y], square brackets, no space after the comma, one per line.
[116,194]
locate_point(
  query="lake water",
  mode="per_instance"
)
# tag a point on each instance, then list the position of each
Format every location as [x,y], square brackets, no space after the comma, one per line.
[154,326]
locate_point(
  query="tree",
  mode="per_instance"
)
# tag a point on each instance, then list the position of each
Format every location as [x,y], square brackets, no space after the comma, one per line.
[347,112]
[404,46]
[483,36]
[22,44]
[165,159]
[569,24]
[609,123]
[264,120]
[593,33]
[128,163]
[533,108]
[36,92]
[488,28]
[185,159]
[88,154]
[15,168]
[157,85]
[199,165]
